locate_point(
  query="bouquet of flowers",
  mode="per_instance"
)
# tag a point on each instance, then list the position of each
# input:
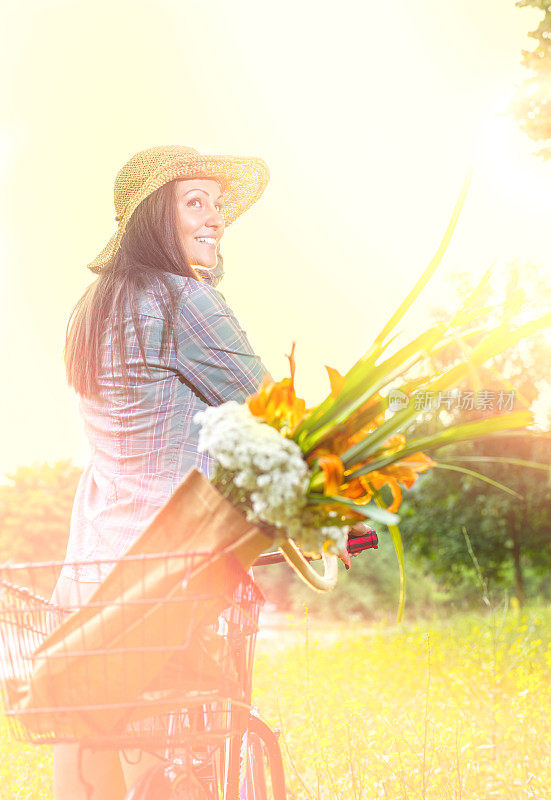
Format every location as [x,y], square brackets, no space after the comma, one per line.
[312,473]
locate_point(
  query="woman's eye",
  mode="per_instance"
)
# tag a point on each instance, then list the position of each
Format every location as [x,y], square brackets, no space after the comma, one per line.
[193,200]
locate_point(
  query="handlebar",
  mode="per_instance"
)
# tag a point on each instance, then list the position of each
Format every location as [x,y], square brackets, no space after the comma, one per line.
[356,544]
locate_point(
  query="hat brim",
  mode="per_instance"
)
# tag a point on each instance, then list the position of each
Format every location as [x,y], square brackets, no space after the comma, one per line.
[242,180]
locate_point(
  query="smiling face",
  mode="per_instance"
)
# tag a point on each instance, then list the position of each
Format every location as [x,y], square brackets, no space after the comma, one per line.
[199,219]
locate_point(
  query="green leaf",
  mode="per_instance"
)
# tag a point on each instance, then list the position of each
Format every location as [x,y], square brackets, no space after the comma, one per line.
[517,462]
[399,548]
[503,337]
[457,433]
[521,435]
[472,300]
[478,475]
[432,266]
[396,537]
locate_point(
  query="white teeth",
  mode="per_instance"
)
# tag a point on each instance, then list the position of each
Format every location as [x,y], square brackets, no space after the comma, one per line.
[206,240]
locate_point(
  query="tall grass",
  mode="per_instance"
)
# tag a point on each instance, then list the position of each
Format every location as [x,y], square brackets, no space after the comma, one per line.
[26,772]
[450,710]
[458,710]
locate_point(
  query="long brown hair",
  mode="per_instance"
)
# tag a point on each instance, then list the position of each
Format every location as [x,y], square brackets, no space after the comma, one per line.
[149,249]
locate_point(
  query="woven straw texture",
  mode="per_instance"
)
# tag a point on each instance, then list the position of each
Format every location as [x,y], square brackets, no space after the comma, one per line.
[242,181]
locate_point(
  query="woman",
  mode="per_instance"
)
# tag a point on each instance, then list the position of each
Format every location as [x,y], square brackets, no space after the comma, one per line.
[150,343]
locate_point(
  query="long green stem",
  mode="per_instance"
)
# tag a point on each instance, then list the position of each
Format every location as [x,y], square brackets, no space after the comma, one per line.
[433,265]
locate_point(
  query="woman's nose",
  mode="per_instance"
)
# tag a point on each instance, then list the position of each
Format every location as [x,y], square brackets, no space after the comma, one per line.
[215,219]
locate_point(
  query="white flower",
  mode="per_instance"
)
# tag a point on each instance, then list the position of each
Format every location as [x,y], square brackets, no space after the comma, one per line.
[270,468]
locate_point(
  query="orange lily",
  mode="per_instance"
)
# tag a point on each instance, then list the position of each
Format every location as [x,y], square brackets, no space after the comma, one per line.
[277,404]
[405,472]
[333,471]
[336,380]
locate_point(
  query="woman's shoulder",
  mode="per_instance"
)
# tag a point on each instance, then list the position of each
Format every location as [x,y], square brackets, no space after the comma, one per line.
[202,294]
[189,293]
[153,298]
[158,282]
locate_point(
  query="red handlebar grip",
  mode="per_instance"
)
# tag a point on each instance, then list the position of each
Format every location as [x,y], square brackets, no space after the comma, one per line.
[358,543]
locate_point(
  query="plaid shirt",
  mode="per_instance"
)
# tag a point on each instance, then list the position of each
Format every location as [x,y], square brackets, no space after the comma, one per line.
[142,437]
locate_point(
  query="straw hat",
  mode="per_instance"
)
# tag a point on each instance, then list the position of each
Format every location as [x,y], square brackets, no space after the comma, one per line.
[242,181]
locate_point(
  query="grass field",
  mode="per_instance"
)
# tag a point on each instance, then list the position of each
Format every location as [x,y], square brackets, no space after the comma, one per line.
[451,709]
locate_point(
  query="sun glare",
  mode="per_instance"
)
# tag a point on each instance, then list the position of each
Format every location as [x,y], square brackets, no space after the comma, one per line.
[504,157]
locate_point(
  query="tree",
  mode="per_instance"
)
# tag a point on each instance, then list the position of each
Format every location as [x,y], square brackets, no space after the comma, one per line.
[532,104]
[35,512]
[509,533]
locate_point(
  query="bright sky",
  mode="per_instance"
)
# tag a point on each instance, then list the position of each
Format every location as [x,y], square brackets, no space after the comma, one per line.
[368,115]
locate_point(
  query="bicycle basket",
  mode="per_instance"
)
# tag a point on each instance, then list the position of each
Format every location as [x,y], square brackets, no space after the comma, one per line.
[113,671]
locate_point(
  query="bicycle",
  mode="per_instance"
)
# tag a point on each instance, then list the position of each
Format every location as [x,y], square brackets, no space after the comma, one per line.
[196,717]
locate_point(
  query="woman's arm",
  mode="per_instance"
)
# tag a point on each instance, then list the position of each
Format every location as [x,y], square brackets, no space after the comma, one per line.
[214,353]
